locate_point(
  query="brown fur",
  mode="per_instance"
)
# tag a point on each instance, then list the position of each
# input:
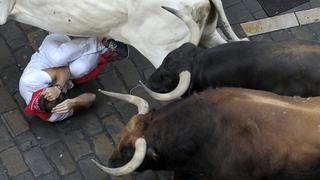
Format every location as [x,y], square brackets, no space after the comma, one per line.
[232,133]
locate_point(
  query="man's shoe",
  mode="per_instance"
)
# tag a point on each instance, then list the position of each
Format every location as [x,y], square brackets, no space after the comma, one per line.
[118,47]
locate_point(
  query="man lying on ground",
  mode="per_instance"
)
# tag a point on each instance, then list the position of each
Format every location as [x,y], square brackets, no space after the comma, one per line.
[58,64]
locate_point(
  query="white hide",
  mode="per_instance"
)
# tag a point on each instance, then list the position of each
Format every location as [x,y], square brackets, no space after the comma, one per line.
[141,23]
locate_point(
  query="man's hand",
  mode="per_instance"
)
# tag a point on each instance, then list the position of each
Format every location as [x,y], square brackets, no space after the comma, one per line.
[64,107]
[51,93]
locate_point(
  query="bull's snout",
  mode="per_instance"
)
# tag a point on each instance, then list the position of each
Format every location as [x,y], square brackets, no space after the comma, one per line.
[116,162]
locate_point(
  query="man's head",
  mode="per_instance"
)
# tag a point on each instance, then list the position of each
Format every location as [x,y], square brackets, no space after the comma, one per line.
[46,106]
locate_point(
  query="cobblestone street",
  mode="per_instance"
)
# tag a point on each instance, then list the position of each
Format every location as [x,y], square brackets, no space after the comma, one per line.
[33,149]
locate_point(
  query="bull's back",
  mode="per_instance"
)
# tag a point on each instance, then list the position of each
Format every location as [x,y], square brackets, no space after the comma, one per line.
[267,131]
[287,68]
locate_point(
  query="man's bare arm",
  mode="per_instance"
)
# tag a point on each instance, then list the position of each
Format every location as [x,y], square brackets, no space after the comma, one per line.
[82,101]
[60,75]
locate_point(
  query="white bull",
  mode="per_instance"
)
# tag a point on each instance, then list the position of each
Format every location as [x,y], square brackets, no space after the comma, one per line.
[140,23]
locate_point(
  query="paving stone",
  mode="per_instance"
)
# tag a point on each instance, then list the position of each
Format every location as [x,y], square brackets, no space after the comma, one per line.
[108,67]
[6,57]
[103,147]
[128,72]
[238,14]
[302,33]
[45,132]
[6,101]
[13,161]
[13,35]
[37,162]
[281,35]
[270,24]
[89,122]
[308,16]
[20,101]
[24,176]
[61,158]
[113,126]
[5,138]
[11,76]
[228,3]
[23,56]
[36,37]
[15,122]
[68,125]
[299,8]
[51,176]
[146,175]
[239,31]
[74,176]
[26,141]
[77,144]
[103,105]
[90,170]
[140,61]
[252,6]
[315,28]
[90,86]
[126,110]
[315,3]
[261,37]
[3,176]
[260,14]
[111,82]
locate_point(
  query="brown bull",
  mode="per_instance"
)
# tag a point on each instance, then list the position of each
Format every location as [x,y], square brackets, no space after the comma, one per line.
[224,134]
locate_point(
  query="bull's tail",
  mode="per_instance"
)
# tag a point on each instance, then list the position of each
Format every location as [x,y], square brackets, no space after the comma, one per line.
[191,24]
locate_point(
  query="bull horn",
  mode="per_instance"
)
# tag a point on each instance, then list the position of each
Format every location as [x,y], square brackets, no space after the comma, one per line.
[133,164]
[191,24]
[183,85]
[143,106]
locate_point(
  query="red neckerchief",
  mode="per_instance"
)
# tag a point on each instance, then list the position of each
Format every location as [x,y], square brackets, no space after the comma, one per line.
[104,58]
[33,108]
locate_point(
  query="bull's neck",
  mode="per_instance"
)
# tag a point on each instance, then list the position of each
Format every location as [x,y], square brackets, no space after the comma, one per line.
[178,130]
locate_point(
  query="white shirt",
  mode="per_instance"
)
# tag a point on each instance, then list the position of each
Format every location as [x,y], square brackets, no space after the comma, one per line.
[56,51]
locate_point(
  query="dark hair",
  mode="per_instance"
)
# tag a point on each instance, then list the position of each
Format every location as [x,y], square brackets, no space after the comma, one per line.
[47,106]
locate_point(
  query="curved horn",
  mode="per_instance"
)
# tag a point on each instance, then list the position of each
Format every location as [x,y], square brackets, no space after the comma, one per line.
[143,106]
[191,24]
[183,85]
[133,164]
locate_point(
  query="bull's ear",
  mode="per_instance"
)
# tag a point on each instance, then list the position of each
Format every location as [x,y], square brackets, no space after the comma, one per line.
[151,153]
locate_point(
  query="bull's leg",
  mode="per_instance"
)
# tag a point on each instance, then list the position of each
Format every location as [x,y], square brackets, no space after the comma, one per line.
[212,39]
[225,22]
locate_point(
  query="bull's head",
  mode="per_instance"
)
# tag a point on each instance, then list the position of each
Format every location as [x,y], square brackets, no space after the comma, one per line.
[174,75]
[131,150]
[6,7]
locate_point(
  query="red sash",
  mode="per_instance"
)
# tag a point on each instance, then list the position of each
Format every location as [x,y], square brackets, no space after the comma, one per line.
[104,58]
